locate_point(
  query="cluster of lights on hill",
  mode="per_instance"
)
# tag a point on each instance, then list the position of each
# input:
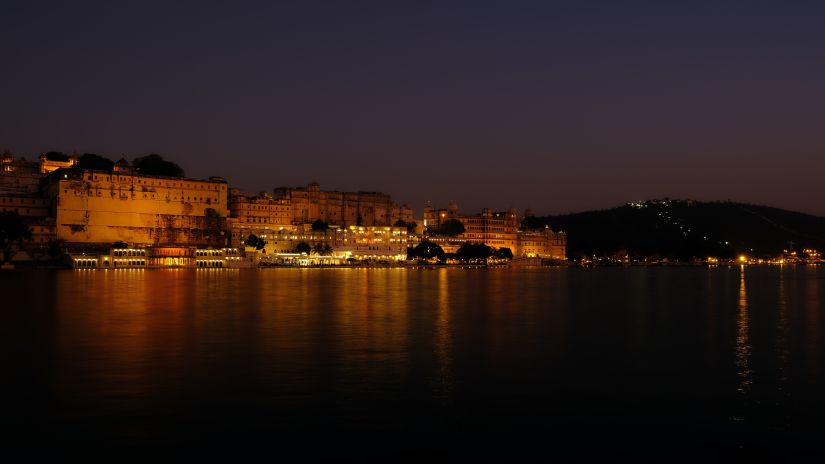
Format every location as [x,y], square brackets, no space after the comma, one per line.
[664,214]
[672,214]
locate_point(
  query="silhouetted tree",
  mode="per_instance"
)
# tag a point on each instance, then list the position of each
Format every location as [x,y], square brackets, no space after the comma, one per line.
[450,227]
[12,230]
[155,165]
[532,223]
[303,247]
[409,225]
[320,225]
[426,250]
[120,244]
[322,249]
[55,248]
[254,241]
[473,252]
[503,253]
[56,156]
[95,162]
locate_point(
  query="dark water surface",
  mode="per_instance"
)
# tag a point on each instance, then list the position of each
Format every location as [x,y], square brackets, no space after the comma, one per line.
[415,363]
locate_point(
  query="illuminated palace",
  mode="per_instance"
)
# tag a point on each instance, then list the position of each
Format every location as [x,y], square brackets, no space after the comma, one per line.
[257,215]
[360,224]
[120,205]
[359,243]
[310,203]
[166,221]
[118,217]
[496,230]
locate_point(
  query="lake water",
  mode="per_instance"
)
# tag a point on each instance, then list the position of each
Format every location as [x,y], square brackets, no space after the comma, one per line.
[417,363]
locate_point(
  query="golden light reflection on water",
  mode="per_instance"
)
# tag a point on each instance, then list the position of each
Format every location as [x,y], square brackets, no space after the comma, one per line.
[350,322]
[743,347]
[147,325]
[353,344]
[119,325]
[371,320]
[444,339]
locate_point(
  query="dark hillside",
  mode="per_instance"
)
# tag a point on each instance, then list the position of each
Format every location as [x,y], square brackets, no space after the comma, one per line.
[683,229]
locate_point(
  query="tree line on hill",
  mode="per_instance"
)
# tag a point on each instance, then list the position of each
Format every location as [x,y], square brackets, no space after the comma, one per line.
[152,165]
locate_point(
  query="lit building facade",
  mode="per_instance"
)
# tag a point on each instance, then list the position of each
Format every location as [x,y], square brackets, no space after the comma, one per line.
[26,205]
[259,209]
[544,243]
[20,193]
[22,176]
[377,243]
[18,175]
[496,230]
[53,161]
[105,207]
[361,224]
[259,215]
[163,257]
[310,203]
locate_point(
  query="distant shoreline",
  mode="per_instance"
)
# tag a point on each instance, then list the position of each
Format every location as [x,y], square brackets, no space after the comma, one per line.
[419,266]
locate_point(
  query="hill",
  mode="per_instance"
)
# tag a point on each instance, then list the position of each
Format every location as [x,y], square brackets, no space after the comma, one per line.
[684,229]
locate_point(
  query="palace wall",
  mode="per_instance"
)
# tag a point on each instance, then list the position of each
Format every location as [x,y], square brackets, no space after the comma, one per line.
[105,207]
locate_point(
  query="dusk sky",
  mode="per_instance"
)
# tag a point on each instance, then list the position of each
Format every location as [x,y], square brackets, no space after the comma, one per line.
[554,106]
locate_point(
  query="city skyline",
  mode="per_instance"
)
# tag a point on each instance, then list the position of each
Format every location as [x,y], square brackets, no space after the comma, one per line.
[555,107]
[417,210]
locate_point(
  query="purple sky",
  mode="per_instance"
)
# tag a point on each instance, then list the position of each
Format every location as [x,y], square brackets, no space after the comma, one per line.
[554,106]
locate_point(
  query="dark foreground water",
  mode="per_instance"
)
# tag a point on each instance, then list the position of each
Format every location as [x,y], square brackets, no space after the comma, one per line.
[417,363]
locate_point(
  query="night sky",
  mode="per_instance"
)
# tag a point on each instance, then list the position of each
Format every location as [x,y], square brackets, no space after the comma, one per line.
[554,106]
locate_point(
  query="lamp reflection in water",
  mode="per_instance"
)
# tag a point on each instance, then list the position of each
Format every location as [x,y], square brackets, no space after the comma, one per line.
[444,339]
[743,347]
